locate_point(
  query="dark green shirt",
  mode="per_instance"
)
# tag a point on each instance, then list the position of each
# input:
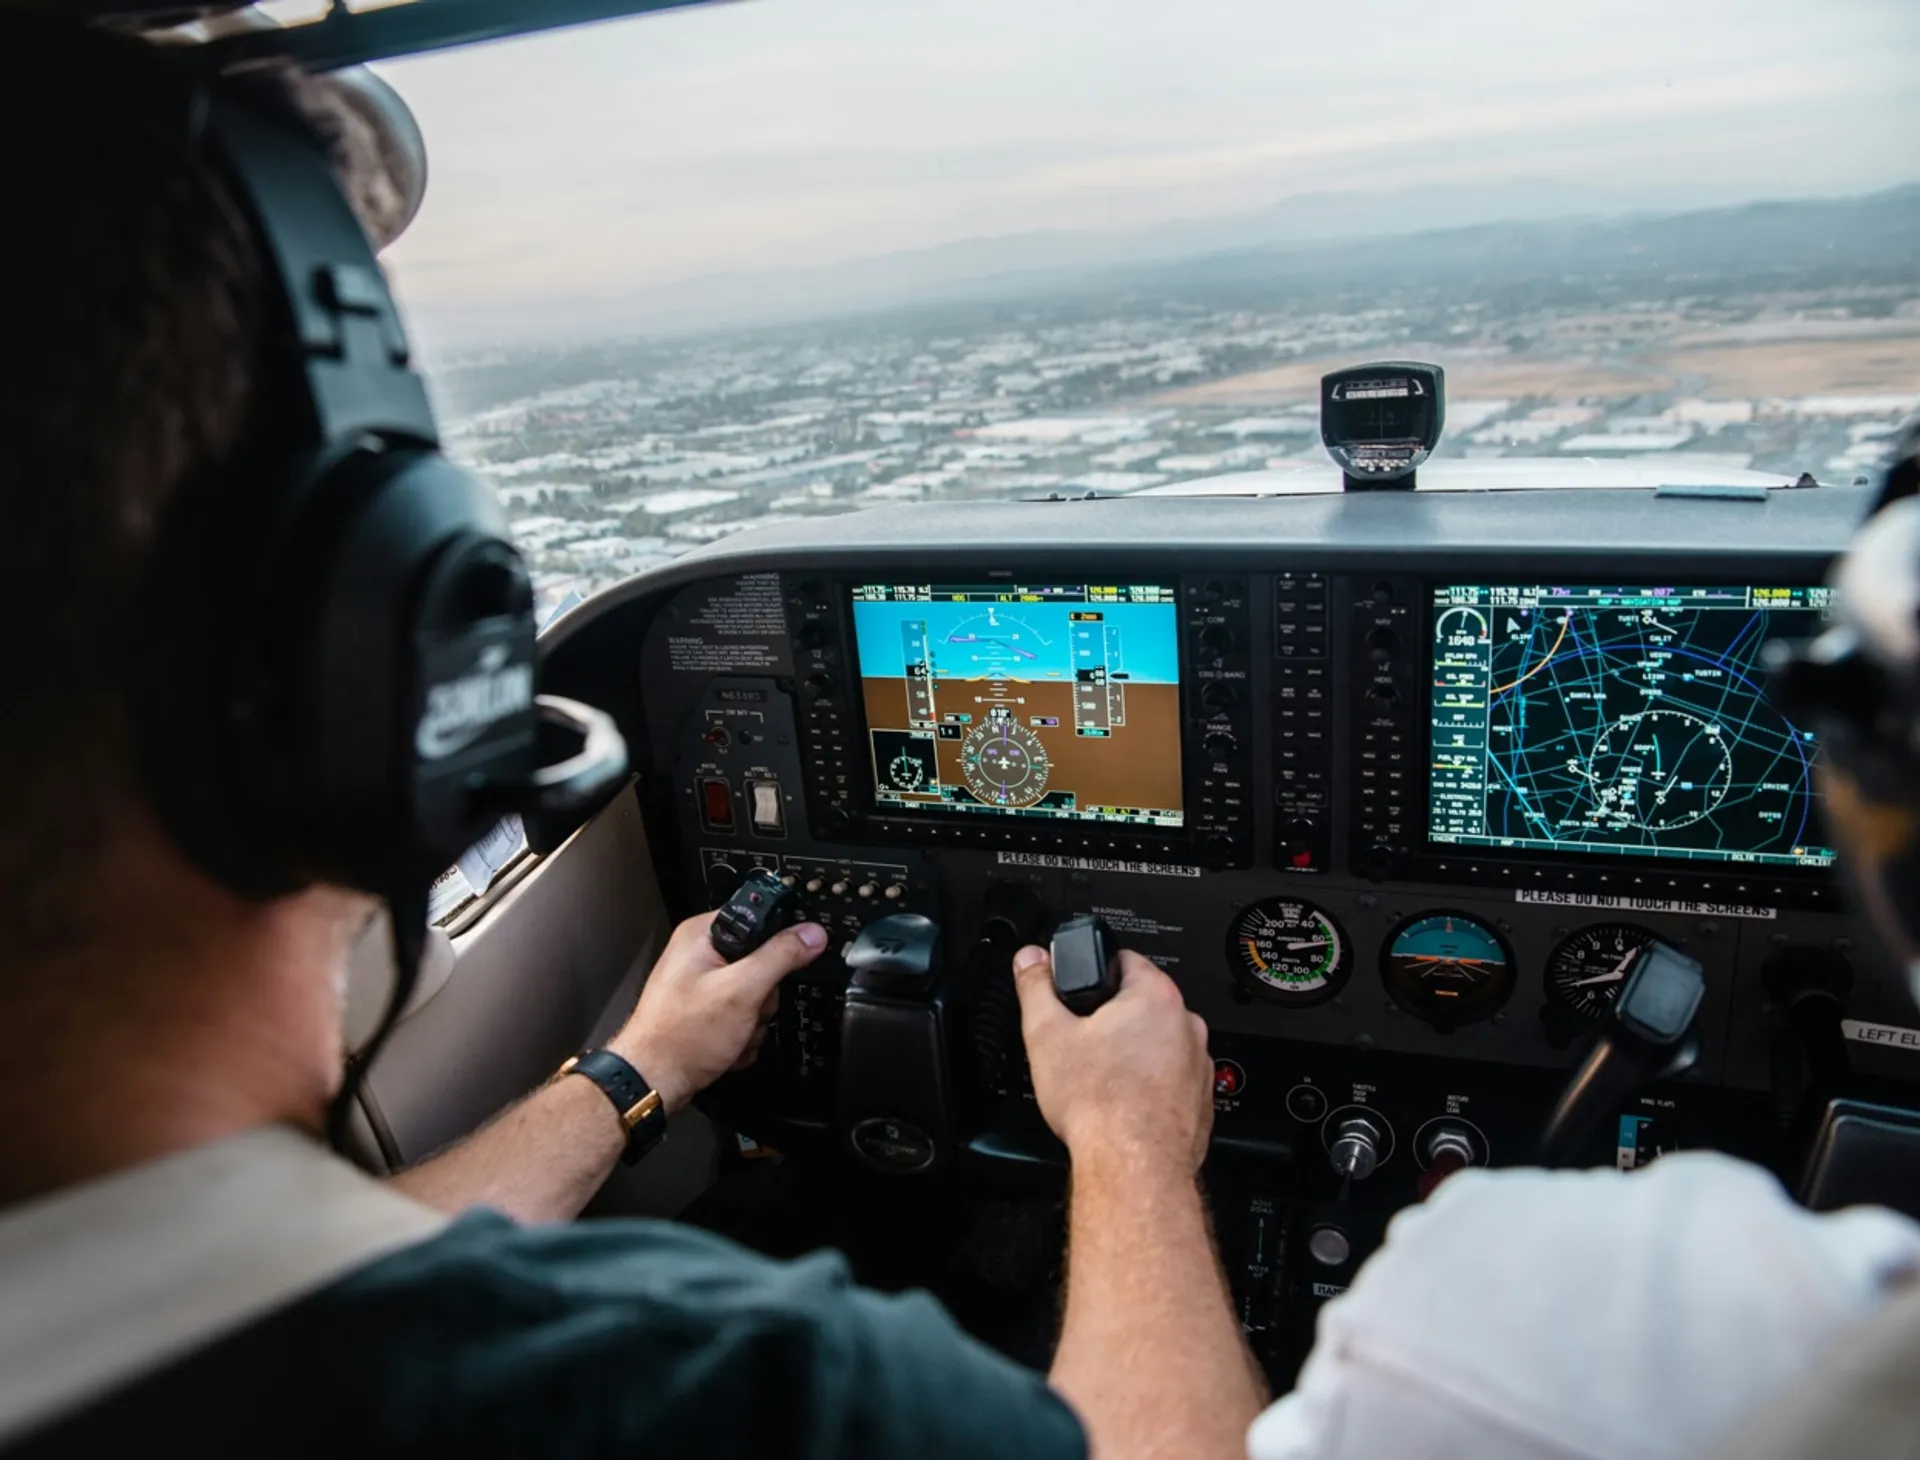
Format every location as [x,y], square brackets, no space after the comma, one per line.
[615,1338]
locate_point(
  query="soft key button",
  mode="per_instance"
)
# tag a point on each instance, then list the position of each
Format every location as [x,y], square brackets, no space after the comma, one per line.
[766,808]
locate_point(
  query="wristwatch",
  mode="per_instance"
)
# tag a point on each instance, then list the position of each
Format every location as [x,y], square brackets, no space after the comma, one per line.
[643,1115]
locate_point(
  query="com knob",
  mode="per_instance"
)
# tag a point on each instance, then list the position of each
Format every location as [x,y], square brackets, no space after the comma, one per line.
[1216,642]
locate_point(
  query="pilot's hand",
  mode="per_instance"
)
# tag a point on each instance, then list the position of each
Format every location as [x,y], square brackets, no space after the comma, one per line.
[1132,1078]
[700,1016]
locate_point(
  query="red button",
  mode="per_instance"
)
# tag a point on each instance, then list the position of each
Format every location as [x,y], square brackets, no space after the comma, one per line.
[716,804]
[1303,859]
[1228,1079]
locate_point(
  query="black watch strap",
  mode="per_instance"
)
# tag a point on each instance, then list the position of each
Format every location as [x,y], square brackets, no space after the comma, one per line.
[643,1116]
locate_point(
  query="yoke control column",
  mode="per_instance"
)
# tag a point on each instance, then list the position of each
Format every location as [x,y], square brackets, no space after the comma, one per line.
[896,1069]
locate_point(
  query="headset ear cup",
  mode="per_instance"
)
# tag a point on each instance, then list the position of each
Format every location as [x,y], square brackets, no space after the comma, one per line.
[414,693]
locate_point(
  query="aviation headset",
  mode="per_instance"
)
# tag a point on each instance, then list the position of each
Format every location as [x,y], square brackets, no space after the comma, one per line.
[1858,685]
[333,674]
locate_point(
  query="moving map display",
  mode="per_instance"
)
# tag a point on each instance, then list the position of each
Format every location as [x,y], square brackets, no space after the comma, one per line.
[1621,720]
[1045,700]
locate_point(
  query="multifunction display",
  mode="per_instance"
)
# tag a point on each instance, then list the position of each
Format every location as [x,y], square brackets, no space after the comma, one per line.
[1043,700]
[1621,720]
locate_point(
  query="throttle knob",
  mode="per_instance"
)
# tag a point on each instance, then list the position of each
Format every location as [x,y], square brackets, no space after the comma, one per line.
[1356,1147]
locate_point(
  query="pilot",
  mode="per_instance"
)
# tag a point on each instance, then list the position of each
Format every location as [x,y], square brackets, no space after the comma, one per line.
[1690,1308]
[168,1049]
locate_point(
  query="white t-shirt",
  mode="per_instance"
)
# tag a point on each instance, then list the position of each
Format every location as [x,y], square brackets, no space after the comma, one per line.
[1532,1315]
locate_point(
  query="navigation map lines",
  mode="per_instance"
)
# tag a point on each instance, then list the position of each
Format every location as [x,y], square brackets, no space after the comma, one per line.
[1620,721]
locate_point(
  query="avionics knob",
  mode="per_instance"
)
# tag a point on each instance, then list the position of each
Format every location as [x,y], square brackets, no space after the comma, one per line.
[1357,1144]
[1220,743]
[1216,640]
[1219,697]
[819,685]
[722,879]
[1382,645]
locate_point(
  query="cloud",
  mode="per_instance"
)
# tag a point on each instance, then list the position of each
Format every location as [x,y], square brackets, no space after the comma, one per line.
[794,132]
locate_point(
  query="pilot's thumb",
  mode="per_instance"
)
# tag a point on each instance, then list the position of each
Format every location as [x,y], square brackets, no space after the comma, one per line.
[1033,979]
[791,948]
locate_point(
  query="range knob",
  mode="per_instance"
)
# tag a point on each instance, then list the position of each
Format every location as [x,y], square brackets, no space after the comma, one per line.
[1382,645]
[819,685]
[1219,697]
[1357,1144]
[1216,642]
[1219,743]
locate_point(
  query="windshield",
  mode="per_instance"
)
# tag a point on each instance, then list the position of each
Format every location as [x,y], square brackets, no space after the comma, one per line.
[687,274]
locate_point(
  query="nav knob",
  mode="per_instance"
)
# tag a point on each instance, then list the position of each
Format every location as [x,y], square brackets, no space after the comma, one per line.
[810,636]
[1382,645]
[1356,1147]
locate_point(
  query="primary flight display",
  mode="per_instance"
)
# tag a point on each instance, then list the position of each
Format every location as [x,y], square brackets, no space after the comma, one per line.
[1038,700]
[1621,720]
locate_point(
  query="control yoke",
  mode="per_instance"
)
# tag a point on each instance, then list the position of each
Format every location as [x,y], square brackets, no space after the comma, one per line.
[1650,1036]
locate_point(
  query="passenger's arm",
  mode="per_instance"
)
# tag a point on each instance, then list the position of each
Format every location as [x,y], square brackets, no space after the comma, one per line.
[698,1017]
[1151,1354]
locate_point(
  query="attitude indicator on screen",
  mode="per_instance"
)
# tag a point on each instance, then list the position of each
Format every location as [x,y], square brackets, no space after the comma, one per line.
[1051,700]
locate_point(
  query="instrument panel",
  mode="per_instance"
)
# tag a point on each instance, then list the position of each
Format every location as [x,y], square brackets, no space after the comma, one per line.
[1396,790]
[1426,814]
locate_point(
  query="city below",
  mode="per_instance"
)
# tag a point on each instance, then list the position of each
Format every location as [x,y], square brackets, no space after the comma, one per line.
[1665,340]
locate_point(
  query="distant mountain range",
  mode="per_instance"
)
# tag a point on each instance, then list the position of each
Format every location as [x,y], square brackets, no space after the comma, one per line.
[1543,232]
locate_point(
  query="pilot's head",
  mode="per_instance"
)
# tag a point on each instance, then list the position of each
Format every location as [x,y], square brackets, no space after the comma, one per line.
[130,364]
[1859,685]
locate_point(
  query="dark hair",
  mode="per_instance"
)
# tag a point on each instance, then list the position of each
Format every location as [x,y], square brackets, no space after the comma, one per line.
[128,355]
[132,344]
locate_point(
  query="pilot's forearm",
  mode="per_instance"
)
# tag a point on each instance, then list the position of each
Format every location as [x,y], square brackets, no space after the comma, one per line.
[1151,1355]
[539,1161]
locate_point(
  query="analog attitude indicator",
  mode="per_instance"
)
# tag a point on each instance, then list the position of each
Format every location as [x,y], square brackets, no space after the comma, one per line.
[1004,762]
[1447,968]
[1587,970]
[1288,951]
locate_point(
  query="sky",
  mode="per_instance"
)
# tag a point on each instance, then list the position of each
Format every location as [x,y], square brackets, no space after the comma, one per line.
[774,134]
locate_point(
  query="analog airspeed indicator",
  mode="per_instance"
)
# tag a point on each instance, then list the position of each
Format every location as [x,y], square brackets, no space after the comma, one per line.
[1288,951]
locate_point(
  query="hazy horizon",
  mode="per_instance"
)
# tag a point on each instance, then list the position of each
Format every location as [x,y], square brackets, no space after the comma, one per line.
[655,162]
